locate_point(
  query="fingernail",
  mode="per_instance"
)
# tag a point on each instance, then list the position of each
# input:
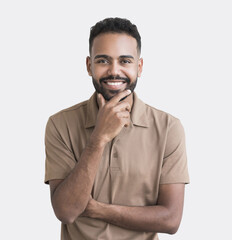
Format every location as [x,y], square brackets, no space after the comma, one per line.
[129,91]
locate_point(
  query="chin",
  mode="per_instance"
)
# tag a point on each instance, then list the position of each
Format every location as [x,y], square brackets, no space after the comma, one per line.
[111,93]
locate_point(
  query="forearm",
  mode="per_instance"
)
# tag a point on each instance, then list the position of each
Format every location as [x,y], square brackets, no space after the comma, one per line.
[72,195]
[147,219]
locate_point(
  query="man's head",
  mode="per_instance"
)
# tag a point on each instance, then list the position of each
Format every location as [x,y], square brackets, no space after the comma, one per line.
[114,61]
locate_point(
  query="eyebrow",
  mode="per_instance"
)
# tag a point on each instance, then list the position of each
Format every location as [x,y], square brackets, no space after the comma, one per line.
[108,57]
[126,56]
[102,56]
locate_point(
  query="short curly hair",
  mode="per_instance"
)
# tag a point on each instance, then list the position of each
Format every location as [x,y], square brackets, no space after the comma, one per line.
[114,25]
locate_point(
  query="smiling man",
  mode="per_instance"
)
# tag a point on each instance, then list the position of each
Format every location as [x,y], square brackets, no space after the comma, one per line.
[116,166]
[115,71]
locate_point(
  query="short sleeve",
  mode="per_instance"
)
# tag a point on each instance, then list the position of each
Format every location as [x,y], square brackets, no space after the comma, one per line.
[175,169]
[59,158]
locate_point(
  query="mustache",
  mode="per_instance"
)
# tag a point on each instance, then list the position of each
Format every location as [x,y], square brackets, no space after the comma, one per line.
[111,77]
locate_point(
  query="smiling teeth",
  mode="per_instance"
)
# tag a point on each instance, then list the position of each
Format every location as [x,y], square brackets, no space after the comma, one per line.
[114,83]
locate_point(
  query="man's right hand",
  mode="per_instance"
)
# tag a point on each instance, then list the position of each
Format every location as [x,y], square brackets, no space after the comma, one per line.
[112,117]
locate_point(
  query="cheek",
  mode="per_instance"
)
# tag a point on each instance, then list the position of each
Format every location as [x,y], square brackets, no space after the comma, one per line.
[99,71]
[132,72]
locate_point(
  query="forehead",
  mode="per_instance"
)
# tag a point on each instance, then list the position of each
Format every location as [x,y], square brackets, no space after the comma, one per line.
[114,44]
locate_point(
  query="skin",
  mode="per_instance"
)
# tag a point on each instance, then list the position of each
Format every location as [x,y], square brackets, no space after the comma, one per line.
[164,217]
[115,55]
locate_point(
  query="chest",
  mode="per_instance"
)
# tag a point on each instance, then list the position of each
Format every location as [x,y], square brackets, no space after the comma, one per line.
[130,168]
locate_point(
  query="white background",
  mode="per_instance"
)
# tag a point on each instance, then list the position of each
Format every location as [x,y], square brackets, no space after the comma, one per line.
[187,51]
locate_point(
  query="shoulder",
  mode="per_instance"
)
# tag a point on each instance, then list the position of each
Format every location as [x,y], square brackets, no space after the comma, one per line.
[75,113]
[160,117]
[75,107]
[71,110]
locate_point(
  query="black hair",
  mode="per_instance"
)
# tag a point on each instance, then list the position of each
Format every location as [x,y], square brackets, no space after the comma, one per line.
[114,25]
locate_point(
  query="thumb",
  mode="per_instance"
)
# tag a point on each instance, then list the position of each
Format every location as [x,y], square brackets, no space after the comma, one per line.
[101,101]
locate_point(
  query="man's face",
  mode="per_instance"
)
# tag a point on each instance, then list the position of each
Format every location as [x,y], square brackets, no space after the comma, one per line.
[114,63]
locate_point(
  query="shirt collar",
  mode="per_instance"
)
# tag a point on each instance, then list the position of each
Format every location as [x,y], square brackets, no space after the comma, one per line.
[138,112]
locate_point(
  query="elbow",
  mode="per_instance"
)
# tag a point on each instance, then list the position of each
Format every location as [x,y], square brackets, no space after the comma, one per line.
[68,217]
[173,226]
[173,230]
[65,219]
[66,213]
[169,224]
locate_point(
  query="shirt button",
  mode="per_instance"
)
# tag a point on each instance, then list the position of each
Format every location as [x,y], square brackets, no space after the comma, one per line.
[115,155]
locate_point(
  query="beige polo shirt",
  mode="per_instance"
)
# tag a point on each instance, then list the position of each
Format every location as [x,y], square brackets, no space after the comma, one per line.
[150,152]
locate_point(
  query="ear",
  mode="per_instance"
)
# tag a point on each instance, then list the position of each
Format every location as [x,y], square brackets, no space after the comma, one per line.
[140,67]
[88,66]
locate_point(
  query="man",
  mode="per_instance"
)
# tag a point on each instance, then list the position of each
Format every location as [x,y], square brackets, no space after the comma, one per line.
[116,166]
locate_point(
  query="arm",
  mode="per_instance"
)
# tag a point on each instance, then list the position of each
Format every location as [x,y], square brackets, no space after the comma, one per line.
[164,217]
[70,196]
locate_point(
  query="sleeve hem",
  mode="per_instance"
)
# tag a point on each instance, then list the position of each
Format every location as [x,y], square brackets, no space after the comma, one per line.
[47,179]
[175,181]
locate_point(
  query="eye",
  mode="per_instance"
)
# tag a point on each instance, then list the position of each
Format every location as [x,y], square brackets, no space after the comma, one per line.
[125,61]
[103,61]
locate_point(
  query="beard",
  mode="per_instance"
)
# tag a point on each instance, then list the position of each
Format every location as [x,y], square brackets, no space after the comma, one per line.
[108,94]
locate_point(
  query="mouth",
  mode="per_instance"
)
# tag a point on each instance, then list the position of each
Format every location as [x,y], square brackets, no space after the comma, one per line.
[114,85]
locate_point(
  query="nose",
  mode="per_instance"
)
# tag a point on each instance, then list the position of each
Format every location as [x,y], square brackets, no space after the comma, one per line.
[114,69]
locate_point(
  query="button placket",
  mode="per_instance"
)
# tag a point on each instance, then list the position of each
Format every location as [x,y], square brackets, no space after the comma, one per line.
[114,167]
[114,161]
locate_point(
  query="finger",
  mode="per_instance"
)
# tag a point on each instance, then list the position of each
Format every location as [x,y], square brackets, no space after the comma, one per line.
[122,106]
[127,122]
[124,118]
[123,114]
[119,96]
[101,101]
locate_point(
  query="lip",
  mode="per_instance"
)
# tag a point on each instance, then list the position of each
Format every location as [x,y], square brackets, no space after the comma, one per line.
[116,84]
